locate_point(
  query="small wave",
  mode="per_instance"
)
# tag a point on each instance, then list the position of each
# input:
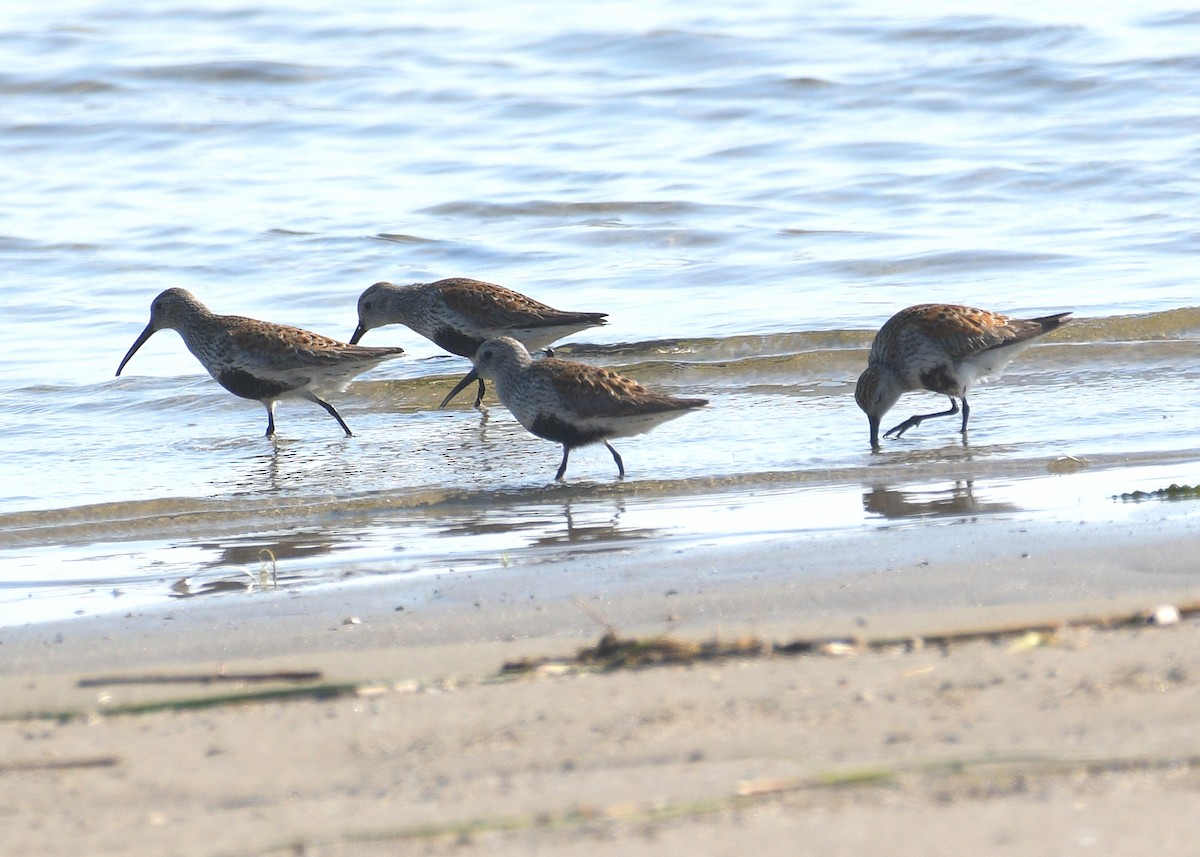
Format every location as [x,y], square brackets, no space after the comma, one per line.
[551,208]
[943,262]
[399,238]
[12,85]
[990,31]
[243,71]
[1180,323]
[1174,19]
[805,354]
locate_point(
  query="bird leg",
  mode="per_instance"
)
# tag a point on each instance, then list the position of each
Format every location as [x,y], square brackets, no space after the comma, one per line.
[332,412]
[562,468]
[479,396]
[617,458]
[270,419]
[914,421]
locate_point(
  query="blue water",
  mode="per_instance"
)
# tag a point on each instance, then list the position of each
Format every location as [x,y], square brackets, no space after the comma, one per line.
[758,187]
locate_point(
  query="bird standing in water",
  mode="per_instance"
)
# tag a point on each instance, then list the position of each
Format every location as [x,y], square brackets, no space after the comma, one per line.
[260,360]
[458,314]
[943,348]
[571,403]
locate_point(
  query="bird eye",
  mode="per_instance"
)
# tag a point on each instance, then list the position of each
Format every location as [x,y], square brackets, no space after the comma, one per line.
[367,306]
[487,355]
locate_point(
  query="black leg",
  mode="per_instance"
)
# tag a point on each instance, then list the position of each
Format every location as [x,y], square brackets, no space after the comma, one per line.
[479,397]
[562,468]
[333,413]
[617,458]
[914,421]
[966,413]
[270,419]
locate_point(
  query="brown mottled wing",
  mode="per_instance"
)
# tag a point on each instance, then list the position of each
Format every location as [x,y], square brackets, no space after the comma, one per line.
[962,331]
[504,308]
[278,347]
[592,391]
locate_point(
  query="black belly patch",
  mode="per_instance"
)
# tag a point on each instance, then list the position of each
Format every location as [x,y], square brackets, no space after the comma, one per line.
[940,380]
[457,342]
[243,384]
[552,428]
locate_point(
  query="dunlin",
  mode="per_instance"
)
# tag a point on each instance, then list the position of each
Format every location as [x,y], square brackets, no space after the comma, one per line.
[944,349]
[458,314]
[257,359]
[571,403]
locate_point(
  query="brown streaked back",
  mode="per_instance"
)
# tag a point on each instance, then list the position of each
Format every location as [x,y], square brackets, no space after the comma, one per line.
[593,391]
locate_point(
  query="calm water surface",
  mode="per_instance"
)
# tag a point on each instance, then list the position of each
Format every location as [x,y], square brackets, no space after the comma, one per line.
[748,190]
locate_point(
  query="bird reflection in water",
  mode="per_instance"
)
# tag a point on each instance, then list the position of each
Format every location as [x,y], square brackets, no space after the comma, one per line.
[593,523]
[957,500]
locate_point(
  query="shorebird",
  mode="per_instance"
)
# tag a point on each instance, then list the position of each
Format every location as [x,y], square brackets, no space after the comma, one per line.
[258,359]
[571,403]
[942,348]
[458,314]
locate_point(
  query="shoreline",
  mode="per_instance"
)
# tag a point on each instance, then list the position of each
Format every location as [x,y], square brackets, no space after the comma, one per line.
[890,580]
[214,552]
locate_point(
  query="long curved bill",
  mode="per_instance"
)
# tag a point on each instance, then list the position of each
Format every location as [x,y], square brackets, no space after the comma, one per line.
[468,379]
[358,334]
[141,340]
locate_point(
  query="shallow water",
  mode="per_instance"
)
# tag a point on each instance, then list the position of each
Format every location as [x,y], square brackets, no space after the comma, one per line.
[749,191]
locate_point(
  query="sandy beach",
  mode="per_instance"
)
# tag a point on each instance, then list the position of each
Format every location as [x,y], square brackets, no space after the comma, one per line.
[985,689]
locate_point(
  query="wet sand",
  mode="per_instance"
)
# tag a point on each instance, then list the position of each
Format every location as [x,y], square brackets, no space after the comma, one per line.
[981,687]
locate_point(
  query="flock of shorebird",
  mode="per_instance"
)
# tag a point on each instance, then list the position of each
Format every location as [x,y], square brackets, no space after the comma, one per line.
[942,348]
